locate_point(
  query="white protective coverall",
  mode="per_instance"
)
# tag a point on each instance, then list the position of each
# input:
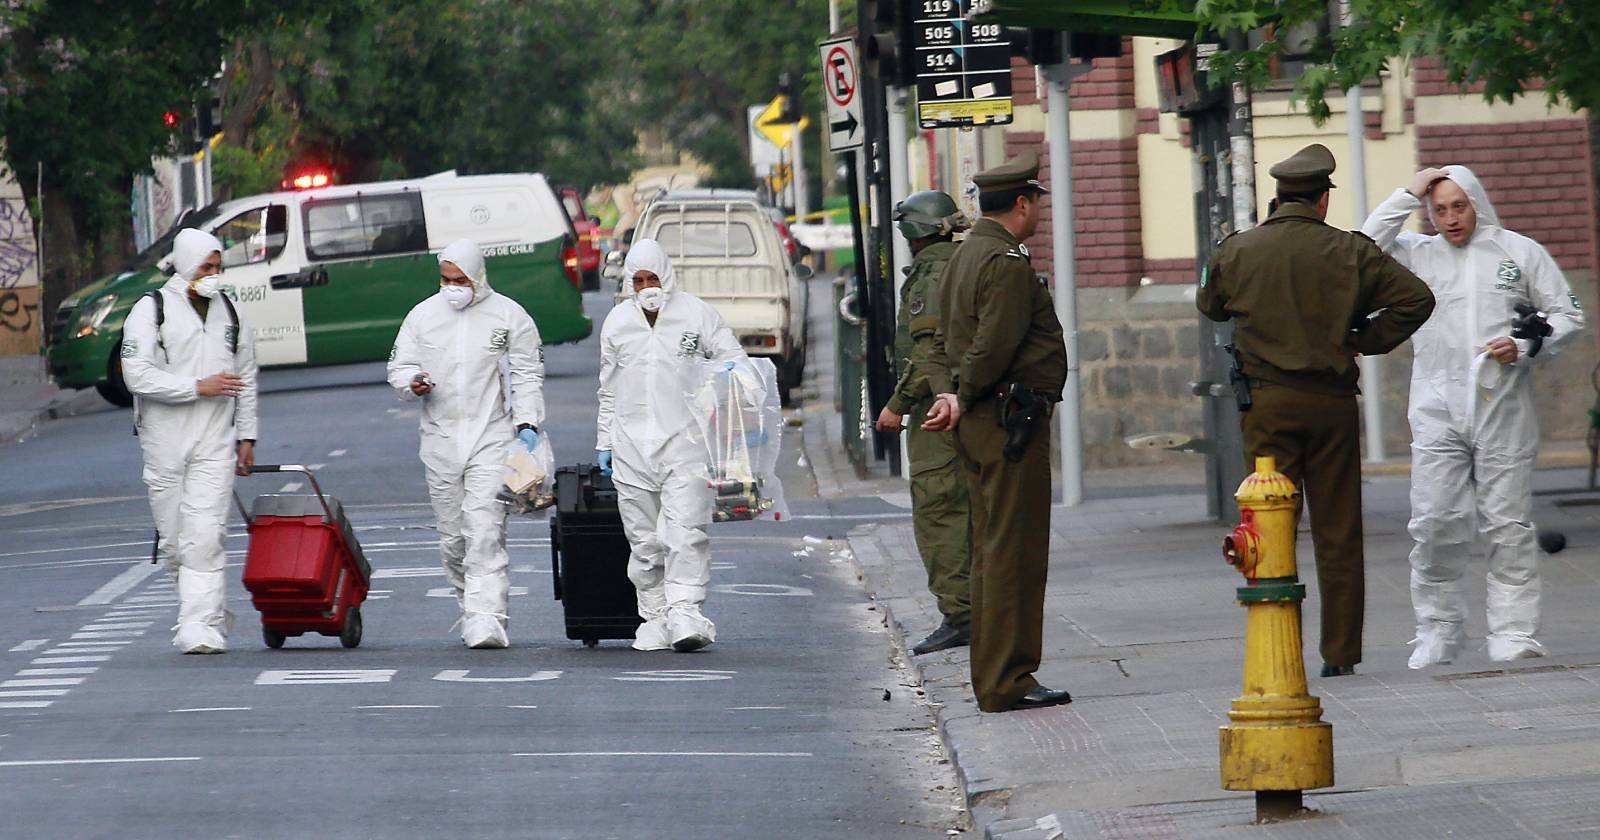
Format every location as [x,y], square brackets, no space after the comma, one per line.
[1473,427]
[189,441]
[648,375]
[487,366]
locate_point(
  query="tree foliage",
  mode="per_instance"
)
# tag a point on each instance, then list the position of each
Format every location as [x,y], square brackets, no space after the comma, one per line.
[695,66]
[1507,45]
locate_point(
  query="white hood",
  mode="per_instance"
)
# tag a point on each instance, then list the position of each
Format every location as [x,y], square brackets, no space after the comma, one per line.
[648,255]
[467,256]
[1470,185]
[189,252]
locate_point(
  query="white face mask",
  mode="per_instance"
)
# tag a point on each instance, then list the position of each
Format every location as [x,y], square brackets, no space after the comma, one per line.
[457,296]
[206,287]
[650,299]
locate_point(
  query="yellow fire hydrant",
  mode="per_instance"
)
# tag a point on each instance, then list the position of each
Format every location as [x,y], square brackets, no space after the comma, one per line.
[1276,743]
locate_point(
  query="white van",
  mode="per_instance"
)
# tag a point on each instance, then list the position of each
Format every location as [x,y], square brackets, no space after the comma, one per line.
[726,250]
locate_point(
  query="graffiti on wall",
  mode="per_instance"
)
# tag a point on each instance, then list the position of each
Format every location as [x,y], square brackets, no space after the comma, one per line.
[18,253]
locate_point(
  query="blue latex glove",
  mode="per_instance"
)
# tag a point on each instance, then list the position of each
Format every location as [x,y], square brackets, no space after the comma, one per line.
[529,438]
[727,365]
[603,458]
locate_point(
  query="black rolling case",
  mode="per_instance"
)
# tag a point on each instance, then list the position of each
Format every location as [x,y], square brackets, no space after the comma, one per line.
[589,557]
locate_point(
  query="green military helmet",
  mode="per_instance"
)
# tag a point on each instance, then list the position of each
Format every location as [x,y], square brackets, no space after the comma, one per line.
[928,213]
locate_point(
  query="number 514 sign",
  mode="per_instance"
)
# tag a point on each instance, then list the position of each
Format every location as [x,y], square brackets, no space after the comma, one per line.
[963,69]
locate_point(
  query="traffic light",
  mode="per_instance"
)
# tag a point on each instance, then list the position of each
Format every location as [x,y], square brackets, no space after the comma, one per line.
[171,120]
[1042,47]
[886,40]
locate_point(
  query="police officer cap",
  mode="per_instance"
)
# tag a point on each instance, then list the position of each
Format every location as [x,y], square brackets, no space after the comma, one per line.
[1016,173]
[1305,171]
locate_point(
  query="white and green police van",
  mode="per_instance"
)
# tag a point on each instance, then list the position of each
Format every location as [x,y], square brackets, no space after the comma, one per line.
[324,276]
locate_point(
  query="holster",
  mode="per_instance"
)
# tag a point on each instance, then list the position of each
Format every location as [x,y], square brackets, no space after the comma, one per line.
[1238,381]
[1022,413]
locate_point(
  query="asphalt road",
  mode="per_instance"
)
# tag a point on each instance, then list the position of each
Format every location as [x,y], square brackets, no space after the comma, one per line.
[796,723]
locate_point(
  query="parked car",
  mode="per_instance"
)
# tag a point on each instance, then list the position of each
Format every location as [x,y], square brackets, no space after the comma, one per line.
[587,230]
[324,276]
[725,250]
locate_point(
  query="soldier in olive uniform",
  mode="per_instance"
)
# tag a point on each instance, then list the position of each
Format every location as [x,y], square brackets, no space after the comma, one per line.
[1307,298]
[998,356]
[939,510]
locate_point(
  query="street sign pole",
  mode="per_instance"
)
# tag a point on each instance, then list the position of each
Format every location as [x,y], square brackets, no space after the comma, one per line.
[1063,245]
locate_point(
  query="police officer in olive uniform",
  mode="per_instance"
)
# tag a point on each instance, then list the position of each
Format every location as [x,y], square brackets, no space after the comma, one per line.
[998,364]
[939,509]
[1307,298]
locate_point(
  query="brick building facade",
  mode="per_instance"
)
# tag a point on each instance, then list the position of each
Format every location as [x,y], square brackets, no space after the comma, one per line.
[1134,223]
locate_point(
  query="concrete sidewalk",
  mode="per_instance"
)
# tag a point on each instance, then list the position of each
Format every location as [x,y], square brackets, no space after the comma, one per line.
[1142,627]
[28,397]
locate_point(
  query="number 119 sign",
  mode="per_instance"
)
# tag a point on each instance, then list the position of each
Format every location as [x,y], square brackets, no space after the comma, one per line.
[963,68]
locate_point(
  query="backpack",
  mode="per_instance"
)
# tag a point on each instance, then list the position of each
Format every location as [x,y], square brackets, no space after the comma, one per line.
[161,318]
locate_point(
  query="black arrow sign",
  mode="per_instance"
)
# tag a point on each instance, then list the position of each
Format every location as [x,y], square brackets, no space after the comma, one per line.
[848,125]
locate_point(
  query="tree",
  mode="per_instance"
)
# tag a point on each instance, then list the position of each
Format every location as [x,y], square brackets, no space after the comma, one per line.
[405,88]
[1507,45]
[697,65]
[83,88]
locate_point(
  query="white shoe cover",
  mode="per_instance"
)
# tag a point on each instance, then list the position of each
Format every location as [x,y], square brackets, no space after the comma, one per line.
[482,631]
[1433,648]
[198,638]
[652,635]
[1510,648]
[689,630]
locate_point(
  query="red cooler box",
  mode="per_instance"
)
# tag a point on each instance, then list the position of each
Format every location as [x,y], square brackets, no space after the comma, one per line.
[304,570]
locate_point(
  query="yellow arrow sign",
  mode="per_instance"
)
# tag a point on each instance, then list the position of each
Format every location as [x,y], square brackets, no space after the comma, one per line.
[778,134]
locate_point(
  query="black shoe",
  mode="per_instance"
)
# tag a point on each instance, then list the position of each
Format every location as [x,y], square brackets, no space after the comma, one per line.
[1040,698]
[1338,670]
[944,637]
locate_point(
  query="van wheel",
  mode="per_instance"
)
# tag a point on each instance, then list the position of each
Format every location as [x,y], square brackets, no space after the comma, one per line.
[591,281]
[785,398]
[114,389]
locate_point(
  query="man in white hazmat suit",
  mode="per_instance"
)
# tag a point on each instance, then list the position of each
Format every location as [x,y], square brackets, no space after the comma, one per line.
[655,349]
[1473,427]
[190,363]
[474,359]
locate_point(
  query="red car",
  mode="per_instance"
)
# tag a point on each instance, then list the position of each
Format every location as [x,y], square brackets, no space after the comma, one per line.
[587,228]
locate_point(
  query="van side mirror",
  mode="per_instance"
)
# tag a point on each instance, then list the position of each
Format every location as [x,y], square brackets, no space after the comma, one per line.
[307,277]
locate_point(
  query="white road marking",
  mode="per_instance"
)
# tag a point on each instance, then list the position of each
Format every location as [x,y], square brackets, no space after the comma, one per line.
[24,704]
[213,709]
[291,486]
[395,707]
[31,644]
[419,571]
[78,650]
[522,707]
[315,467]
[676,676]
[325,677]
[48,672]
[450,592]
[118,586]
[763,589]
[108,634]
[35,692]
[90,644]
[61,660]
[639,753]
[60,761]
[145,543]
[461,676]
[756,708]
[146,599]
[337,453]
[41,683]
[131,625]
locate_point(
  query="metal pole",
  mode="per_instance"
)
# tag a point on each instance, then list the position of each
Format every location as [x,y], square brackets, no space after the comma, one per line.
[833,16]
[899,179]
[1059,133]
[802,204]
[1371,366]
[1242,148]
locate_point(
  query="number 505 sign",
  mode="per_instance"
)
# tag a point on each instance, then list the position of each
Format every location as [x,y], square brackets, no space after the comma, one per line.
[963,69]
